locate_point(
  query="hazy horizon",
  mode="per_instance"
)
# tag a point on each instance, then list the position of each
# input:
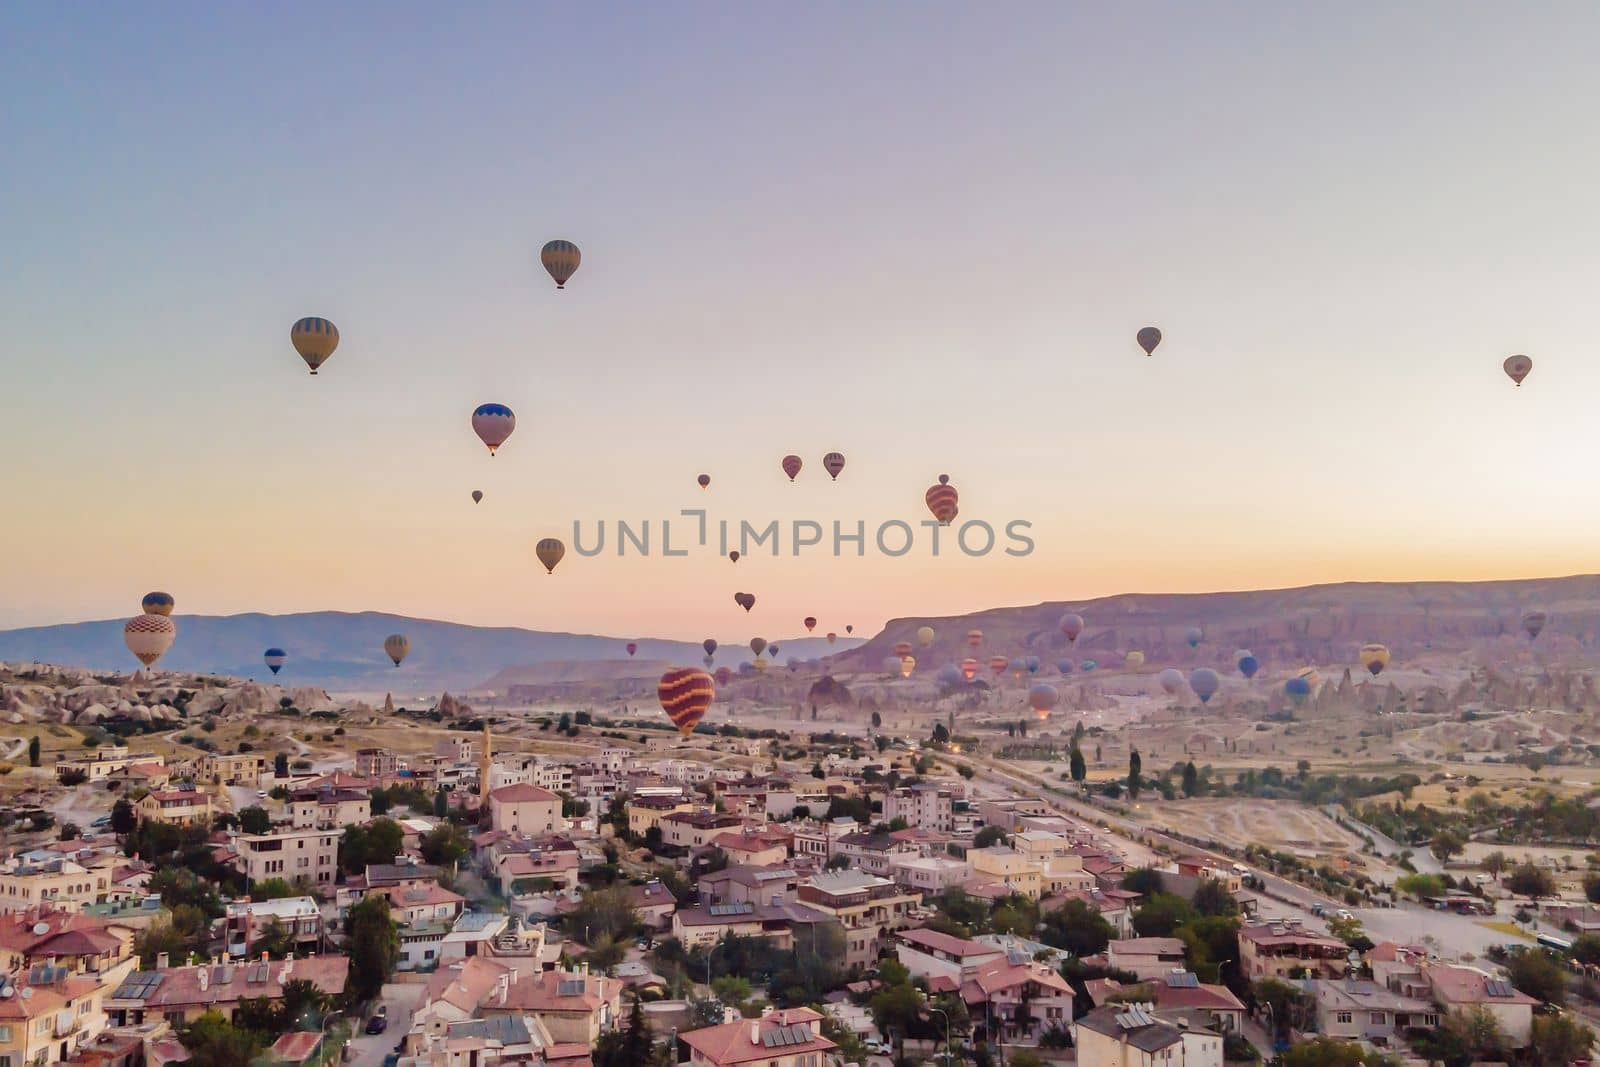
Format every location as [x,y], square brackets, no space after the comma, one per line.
[920,235]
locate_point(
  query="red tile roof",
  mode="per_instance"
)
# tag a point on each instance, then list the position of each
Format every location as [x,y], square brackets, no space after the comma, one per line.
[523,793]
[731,1043]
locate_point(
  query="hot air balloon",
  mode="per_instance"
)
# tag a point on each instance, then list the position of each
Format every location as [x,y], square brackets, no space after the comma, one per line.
[1205,683]
[724,675]
[1042,698]
[810,623]
[943,500]
[1133,660]
[974,638]
[704,480]
[902,648]
[493,423]
[561,259]
[833,463]
[549,550]
[1071,624]
[758,645]
[1088,665]
[1194,635]
[949,675]
[396,647]
[849,629]
[969,669]
[685,694]
[907,665]
[315,339]
[274,659]
[1248,665]
[632,647]
[157,604]
[1298,690]
[1031,664]
[1171,680]
[891,665]
[832,637]
[149,636]
[734,556]
[477,496]
[1148,338]
[1374,658]
[1533,622]
[998,664]
[1516,368]
[792,663]
[1064,666]
[745,600]
[791,466]
[925,636]
[710,646]
[772,650]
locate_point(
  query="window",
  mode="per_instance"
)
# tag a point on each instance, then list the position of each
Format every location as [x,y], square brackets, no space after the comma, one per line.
[5,1035]
[1378,1018]
[1343,1017]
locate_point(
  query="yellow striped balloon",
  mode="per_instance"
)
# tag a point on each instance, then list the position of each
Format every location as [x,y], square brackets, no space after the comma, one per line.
[315,339]
[549,550]
[685,694]
[397,647]
[561,259]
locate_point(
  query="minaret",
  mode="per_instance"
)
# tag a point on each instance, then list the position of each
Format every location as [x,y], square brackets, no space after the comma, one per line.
[484,763]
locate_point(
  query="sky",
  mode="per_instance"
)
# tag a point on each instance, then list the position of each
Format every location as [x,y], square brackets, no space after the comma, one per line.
[921,234]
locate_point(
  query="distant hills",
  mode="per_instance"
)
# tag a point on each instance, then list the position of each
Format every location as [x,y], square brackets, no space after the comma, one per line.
[344,651]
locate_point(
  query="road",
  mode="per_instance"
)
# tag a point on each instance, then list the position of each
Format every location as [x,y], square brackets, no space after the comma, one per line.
[402,999]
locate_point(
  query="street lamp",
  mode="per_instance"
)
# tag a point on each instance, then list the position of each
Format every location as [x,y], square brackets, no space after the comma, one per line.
[940,1011]
[326,1019]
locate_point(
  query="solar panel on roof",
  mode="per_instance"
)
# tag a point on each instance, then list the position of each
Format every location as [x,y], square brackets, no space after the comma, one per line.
[1183,980]
[772,1039]
[572,988]
[1497,987]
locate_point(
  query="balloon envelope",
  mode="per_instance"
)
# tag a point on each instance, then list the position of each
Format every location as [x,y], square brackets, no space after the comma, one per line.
[811,623]
[902,648]
[1297,689]
[758,645]
[274,658]
[891,665]
[1374,657]
[1171,680]
[1193,635]
[632,647]
[561,259]
[791,466]
[1071,624]
[969,668]
[1064,666]
[1248,665]
[149,636]
[943,500]
[710,646]
[1517,368]
[833,463]
[950,674]
[685,694]
[1088,665]
[998,664]
[1148,338]
[924,636]
[1042,698]
[704,480]
[1133,660]
[315,339]
[974,638]
[832,637]
[907,665]
[1533,622]
[493,424]
[157,604]
[1205,684]
[549,550]
[396,647]
[477,496]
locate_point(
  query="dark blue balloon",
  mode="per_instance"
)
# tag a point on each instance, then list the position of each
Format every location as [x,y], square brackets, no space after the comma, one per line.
[1248,665]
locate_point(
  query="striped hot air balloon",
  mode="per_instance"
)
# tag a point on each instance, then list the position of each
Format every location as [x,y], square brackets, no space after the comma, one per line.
[549,550]
[969,668]
[791,466]
[998,664]
[397,647]
[561,259]
[493,424]
[315,339]
[157,604]
[833,463]
[942,499]
[274,658]
[1374,657]
[149,636]
[686,693]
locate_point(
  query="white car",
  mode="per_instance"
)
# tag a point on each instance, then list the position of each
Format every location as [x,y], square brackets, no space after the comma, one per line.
[880,1048]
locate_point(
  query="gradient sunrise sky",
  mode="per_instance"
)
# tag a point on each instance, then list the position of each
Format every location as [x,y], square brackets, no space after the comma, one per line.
[921,234]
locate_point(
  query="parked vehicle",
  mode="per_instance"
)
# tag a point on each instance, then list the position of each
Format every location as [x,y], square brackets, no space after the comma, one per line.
[379,1021]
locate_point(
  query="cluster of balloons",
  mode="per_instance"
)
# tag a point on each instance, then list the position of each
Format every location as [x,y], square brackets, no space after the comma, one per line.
[833,463]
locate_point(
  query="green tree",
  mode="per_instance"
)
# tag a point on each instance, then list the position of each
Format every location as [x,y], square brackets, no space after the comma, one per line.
[1142,880]
[280,765]
[1291,1008]
[33,751]
[1586,949]
[1526,880]
[877,721]
[274,939]
[445,845]
[1496,862]
[1591,887]
[1135,765]
[1078,768]
[1465,1037]
[628,1046]
[989,835]
[1447,846]
[1330,1052]
[374,946]
[212,1041]
[377,842]
[1078,928]
[1560,1039]
[1024,1058]
[1539,976]
[1421,885]
[124,820]
[604,912]
[1191,780]
[255,820]
[941,735]
[1211,897]
[896,1009]
[272,889]
[1160,915]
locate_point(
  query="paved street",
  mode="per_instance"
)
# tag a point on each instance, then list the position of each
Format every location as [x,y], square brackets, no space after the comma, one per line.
[401,999]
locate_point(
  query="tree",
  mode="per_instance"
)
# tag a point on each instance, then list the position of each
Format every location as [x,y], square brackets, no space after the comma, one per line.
[877,721]
[1135,765]
[1526,880]
[33,751]
[1080,771]
[896,1009]
[604,912]
[1465,1037]
[1447,846]
[841,862]
[1591,887]
[1211,897]
[1586,949]
[817,771]
[374,946]
[1291,1008]
[124,820]
[1495,862]
[377,842]
[1160,915]
[272,889]
[941,735]
[1024,1058]
[1078,928]
[1539,976]
[628,1046]
[212,1041]
[1330,1052]
[1143,880]
[1191,779]
[989,835]
[280,765]
[1560,1039]
[1421,885]
[255,820]
[445,844]
[441,803]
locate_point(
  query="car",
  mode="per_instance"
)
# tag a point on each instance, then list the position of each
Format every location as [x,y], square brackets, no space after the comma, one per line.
[379,1021]
[1344,913]
[879,1048]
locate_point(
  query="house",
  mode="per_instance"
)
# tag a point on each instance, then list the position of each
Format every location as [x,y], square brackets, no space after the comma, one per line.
[653,903]
[289,854]
[576,1007]
[869,909]
[46,1015]
[754,847]
[1007,867]
[526,809]
[328,809]
[429,902]
[1017,999]
[234,768]
[60,883]
[481,1042]
[1461,989]
[1358,1010]
[184,807]
[1287,950]
[1180,998]
[923,807]
[74,943]
[875,853]
[709,923]
[696,829]
[376,762]
[791,1038]
[183,994]
[646,812]
[931,954]
[108,760]
[473,933]
[747,884]
[244,922]
[534,869]
[931,875]
[1128,1035]
[147,775]
[1147,957]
